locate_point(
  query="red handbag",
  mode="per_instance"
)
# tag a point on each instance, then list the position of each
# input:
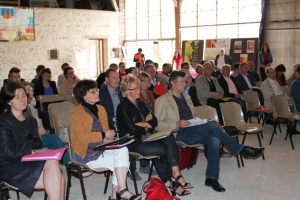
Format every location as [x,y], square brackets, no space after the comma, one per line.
[187,157]
[155,189]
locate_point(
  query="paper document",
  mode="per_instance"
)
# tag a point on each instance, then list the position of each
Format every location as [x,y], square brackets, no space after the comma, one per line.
[159,135]
[197,121]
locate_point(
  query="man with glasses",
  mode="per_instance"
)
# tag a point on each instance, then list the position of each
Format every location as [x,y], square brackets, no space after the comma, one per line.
[175,108]
[208,89]
[252,73]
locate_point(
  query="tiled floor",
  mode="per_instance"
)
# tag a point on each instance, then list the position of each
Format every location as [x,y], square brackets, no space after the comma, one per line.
[276,178]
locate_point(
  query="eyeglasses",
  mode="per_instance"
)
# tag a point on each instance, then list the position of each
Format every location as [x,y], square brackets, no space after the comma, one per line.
[29,91]
[134,89]
[31,137]
[94,92]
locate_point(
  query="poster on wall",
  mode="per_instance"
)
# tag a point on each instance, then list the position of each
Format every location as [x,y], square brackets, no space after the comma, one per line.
[16,24]
[191,51]
[243,58]
[250,46]
[213,46]
[238,47]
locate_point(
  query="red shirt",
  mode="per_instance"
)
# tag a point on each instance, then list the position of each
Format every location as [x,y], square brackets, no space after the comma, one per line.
[177,60]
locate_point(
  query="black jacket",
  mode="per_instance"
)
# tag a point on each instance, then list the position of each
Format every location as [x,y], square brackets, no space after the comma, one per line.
[100,80]
[106,102]
[39,88]
[223,83]
[193,95]
[128,114]
[14,145]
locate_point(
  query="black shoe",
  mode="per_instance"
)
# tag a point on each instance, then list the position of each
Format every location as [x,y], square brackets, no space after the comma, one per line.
[252,152]
[214,184]
[269,122]
[133,197]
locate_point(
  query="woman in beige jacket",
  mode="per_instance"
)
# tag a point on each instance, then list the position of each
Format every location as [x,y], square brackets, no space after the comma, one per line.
[67,85]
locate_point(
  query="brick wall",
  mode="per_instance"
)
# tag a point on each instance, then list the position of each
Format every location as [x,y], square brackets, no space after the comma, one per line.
[68,31]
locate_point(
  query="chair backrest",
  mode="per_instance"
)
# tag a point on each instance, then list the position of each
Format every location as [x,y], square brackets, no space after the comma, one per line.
[232,113]
[207,112]
[251,99]
[295,107]
[58,107]
[280,105]
[62,119]
[50,98]
[286,89]
[71,151]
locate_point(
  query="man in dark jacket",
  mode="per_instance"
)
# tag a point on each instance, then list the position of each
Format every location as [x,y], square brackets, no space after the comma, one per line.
[254,74]
[101,77]
[231,89]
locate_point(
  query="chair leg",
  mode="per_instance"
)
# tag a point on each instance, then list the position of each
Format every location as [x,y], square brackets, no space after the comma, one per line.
[18,194]
[291,134]
[81,182]
[259,141]
[244,138]
[239,156]
[151,169]
[68,181]
[133,175]
[279,127]
[288,129]
[108,173]
[45,196]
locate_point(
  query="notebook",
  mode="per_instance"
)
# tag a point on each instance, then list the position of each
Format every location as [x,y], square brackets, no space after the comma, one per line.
[116,144]
[46,155]
[159,135]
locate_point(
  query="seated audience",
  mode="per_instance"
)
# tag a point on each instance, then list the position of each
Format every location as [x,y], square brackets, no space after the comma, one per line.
[208,90]
[67,85]
[90,128]
[62,76]
[13,76]
[101,78]
[164,76]
[246,82]
[150,69]
[146,95]
[199,70]
[254,74]
[51,141]
[216,70]
[231,89]
[236,70]
[44,86]
[38,71]
[293,76]
[132,71]
[295,89]
[122,70]
[156,67]
[280,77]
[269,88]
[179,110]
[185,66]
[134,118]
[191,89]
[19,137]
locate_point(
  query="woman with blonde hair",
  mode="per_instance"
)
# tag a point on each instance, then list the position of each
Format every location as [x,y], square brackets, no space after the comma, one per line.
[146,95]
[134,118]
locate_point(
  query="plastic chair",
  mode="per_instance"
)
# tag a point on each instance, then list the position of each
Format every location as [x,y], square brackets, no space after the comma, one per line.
[208,112]
[282,112]
[233,116]
[286,90]
[58,107]
[77,169]
[252,102]
[49,99]
[133,156]
[295,108]
[61,120]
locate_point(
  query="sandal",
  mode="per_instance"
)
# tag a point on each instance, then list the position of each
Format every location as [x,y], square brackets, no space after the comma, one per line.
[176,185]
[186,185]
[134,197]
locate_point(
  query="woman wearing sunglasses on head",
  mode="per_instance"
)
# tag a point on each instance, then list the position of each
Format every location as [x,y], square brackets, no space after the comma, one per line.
[18,137]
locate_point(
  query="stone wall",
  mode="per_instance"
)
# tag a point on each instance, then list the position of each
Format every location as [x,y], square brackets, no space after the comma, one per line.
[68,31]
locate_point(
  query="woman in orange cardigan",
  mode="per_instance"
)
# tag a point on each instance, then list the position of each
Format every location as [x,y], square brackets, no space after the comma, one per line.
[146,95]
[90,128]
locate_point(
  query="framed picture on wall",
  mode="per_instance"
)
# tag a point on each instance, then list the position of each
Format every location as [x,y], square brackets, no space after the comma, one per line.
[250,46]
[52,54]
